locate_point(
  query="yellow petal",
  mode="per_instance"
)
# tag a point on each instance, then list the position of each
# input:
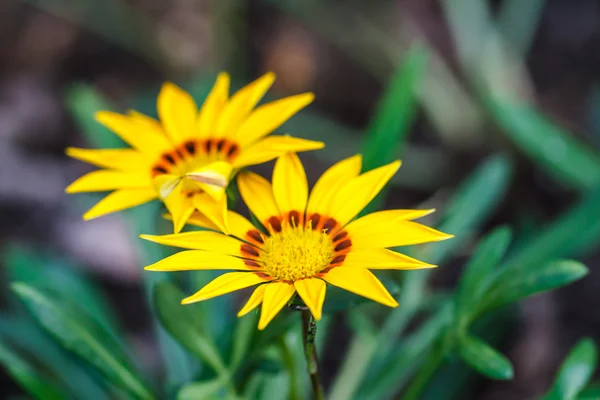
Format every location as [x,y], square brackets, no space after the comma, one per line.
[392,233]
[190,260]
[377,258]
[277,294]
[120,200]
[212,178]
[241,104]
[215,211]
[312,292]
[356,194]
[255,299]
[266,118]
[330,182]
[142,136]
[360,281]
[290,187]
[226,283]
[121,159]
[239,226]
[197,219]
[258,196]
[177,111]
[272,147]
[102,180]
[387,216]
[200,240]
[213,105]
[179,205]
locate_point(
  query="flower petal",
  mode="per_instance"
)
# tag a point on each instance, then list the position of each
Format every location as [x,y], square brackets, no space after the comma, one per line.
[312,292]
[330,182]
[268,117]
[391,234]
[200,240]
[143,136]
[226,283]
[177,111]
[120,159]
[386,216]
[215,211]
[272,147]
[258,196]
[374,258]
[277,294]
[212,178]
[104,179]
[179,205]
[120,200]
[241,104]
[290,187]
[213,105]
[190,260]
[360,281]
[255,299]
[356,194]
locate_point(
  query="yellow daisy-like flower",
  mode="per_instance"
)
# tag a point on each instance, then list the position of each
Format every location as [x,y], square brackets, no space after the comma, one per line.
[188,158]
[311,240]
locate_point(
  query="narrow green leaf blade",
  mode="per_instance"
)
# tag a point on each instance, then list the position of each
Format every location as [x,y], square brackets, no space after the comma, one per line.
[185,324]
[553,149]
[480,269]
[83,336]
[575,372]
[213,389]
[485,359]
[511,285]
[27,376]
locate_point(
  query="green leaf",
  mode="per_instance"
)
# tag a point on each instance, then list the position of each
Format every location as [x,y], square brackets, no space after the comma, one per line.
[242,338]
[186,325]
[27,376]
[480,269]
[395,112]
[484,358]
[83,336]
[209,390]
[556,151]
[592,392]
[575,372]
[511,285]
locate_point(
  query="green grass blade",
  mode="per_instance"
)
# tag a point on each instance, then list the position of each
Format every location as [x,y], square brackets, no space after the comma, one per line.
[575,372]
[567,160]
[83,336]
[484,358]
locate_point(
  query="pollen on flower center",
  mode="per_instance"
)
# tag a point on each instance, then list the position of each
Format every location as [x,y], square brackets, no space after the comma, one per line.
[296,253]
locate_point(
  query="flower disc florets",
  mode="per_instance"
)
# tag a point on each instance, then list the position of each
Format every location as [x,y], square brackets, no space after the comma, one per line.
[296,253]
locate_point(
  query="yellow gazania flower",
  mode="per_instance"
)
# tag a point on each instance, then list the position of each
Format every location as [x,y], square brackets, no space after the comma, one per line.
[311,239]
[188,158]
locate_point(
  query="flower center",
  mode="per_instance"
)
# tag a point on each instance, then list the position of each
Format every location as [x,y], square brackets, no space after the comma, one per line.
[296,253]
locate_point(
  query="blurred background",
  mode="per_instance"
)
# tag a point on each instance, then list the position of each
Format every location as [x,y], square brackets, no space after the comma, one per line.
[62,59]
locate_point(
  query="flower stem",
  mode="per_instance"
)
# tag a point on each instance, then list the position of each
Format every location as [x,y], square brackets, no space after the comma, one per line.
[309,330]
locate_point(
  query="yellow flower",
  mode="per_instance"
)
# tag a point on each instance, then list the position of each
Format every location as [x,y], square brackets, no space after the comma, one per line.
[312,240]
[188,158]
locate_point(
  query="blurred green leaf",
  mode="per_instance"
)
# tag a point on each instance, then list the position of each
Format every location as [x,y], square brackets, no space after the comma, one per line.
[242,338]
[592,392]
[484,358]
[575,372]
[209,390]
[574,233]
[479,271]
[511,285]
[82,335]
[518,22]
[395,112]
[553,149]
[83,101]
[192,334]
[27,376]
[41,269]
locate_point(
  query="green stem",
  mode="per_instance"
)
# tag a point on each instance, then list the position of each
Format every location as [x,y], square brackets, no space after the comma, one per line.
[434,361]
[309,330]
